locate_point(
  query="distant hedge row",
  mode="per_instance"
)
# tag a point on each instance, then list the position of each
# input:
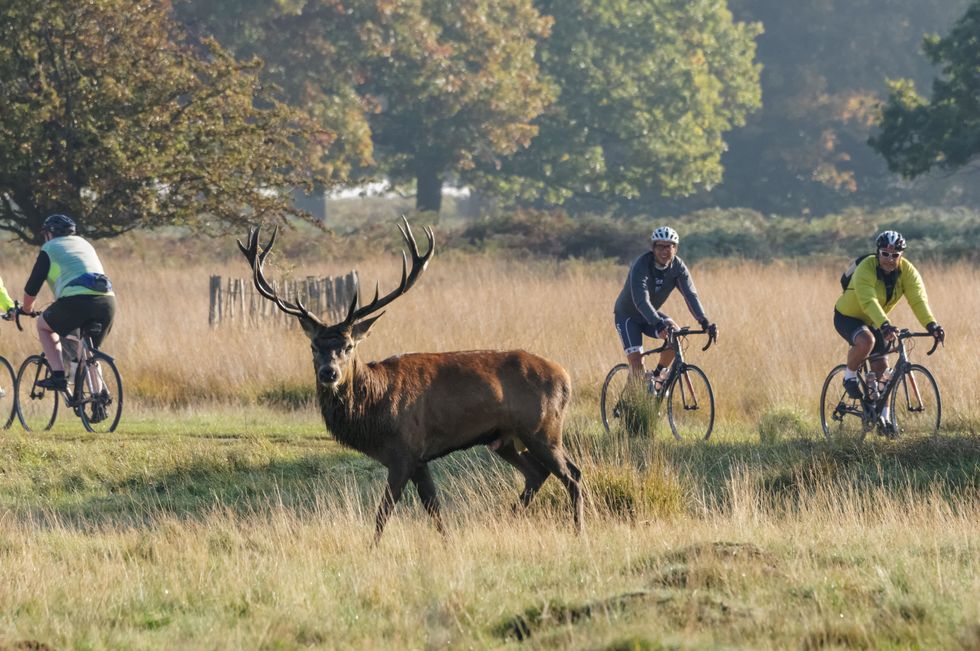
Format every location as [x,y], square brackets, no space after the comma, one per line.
[932,234]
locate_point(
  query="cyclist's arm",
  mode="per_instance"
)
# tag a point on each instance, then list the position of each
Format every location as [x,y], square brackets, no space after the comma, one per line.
[915,292]
[690,294]
[865,283]
[639,283]
[36,280]
[5,301]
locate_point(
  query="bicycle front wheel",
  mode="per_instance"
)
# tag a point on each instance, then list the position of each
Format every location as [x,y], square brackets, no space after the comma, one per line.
[99,394]
[691,405]
[841,416]
[626,404]
[36,407]
[916,405]
[8,395]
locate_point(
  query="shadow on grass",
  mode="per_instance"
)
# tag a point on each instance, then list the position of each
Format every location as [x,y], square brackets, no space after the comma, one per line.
[945,466]
[236,481]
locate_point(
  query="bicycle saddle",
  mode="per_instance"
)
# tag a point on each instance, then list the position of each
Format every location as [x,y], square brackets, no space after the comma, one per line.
[91,328]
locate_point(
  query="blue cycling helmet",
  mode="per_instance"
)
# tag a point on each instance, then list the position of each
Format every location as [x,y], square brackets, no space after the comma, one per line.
[59,225]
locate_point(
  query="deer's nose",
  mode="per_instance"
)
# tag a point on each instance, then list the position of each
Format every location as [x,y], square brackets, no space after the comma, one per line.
[327,375]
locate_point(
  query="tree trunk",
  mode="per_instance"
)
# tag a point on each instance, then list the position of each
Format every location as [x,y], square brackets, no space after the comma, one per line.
[428,190]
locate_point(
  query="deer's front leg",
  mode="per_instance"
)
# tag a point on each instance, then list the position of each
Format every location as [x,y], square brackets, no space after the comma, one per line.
[397,478]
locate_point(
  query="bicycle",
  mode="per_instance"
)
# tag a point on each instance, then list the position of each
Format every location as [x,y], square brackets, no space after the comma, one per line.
[909,389]
[95,396]
[8,382]
[686,389]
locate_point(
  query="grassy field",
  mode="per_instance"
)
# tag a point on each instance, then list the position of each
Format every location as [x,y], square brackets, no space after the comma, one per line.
[216,518]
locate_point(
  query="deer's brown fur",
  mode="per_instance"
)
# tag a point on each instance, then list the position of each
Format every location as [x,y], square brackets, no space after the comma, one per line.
[407,410]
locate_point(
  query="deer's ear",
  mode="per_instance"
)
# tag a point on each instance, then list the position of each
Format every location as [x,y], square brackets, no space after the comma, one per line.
[310,327]
[360,330]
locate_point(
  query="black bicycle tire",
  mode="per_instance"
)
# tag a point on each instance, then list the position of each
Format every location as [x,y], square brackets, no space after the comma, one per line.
[34,359]
[603,409]
[669,397]
[922,370]
[4,363]
[106,362]
[840,368]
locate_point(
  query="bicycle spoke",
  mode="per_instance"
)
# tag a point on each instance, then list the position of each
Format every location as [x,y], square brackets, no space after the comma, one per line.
[916,405]
[841,416]
[37,407]
[691,405]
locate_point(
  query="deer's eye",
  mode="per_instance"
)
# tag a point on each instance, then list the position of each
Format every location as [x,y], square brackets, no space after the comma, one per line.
[348,348]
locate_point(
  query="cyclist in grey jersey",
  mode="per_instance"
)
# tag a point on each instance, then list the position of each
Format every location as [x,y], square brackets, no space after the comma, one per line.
[81,290]
[652,277]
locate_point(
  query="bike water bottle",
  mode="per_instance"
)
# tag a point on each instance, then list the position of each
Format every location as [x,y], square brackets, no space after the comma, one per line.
[872,382]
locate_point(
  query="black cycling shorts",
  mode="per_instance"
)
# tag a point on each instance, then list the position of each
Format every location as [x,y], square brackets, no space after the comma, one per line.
[71,312]
[848,327]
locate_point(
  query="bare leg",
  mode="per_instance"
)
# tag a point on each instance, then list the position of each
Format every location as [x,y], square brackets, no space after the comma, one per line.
[51,344]
[636,365]
[864,341]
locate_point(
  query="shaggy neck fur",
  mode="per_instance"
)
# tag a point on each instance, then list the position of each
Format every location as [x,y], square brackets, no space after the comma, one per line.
[357,412]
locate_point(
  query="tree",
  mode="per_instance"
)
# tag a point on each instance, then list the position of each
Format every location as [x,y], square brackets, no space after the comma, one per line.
[648,89]
[806,149]
[917,135]
[438,85]
[109,114]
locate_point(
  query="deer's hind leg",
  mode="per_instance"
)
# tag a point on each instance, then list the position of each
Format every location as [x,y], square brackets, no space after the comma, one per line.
[427,493]
[555,459]
[534,473]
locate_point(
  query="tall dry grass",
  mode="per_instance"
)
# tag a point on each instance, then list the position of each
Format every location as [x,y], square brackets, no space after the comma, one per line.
[776,345]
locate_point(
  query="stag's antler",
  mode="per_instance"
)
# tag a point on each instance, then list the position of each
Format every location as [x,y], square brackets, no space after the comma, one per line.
[255,260]
[419,263]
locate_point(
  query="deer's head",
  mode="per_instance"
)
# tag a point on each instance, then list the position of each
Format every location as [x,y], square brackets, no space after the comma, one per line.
[334,345]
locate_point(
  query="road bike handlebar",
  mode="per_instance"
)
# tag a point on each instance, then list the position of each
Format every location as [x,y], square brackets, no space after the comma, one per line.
[905,333]
[686,330]
[18,311]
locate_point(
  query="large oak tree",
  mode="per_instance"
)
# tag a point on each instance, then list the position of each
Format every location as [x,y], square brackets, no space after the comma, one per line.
[648,90]
[108,113]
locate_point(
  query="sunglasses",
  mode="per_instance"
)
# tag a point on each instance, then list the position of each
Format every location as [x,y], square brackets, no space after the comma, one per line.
[886,254]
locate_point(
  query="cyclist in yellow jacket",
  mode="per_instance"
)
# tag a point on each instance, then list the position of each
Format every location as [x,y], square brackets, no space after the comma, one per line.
[6,303]
[861,312]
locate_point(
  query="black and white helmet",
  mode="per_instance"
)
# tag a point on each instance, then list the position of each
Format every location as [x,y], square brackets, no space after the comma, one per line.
[59,225]
[890,239]
[665,234]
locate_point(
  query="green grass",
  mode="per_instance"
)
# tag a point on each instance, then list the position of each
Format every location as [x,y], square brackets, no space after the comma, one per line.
[230,528]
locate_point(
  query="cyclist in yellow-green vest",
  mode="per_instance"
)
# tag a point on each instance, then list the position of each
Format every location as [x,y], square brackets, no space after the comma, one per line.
[6,303]
[861,314]
[81,290]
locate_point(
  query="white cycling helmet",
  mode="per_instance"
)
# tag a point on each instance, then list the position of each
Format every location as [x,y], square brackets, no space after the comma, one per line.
[665,234]
[890,239]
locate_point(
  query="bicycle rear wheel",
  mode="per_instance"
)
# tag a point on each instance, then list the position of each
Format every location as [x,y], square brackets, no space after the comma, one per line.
[8,395]
[841,416]
[37,408]
[99,394]
[691,405]
[626,405]
[916,407]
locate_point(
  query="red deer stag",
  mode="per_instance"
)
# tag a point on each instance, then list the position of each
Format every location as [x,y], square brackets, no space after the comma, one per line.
[407,410]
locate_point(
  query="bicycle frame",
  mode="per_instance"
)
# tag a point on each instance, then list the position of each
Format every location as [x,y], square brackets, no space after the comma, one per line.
[871,409]
[674,342]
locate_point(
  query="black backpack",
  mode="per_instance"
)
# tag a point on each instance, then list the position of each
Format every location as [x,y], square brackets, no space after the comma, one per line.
[845,278]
